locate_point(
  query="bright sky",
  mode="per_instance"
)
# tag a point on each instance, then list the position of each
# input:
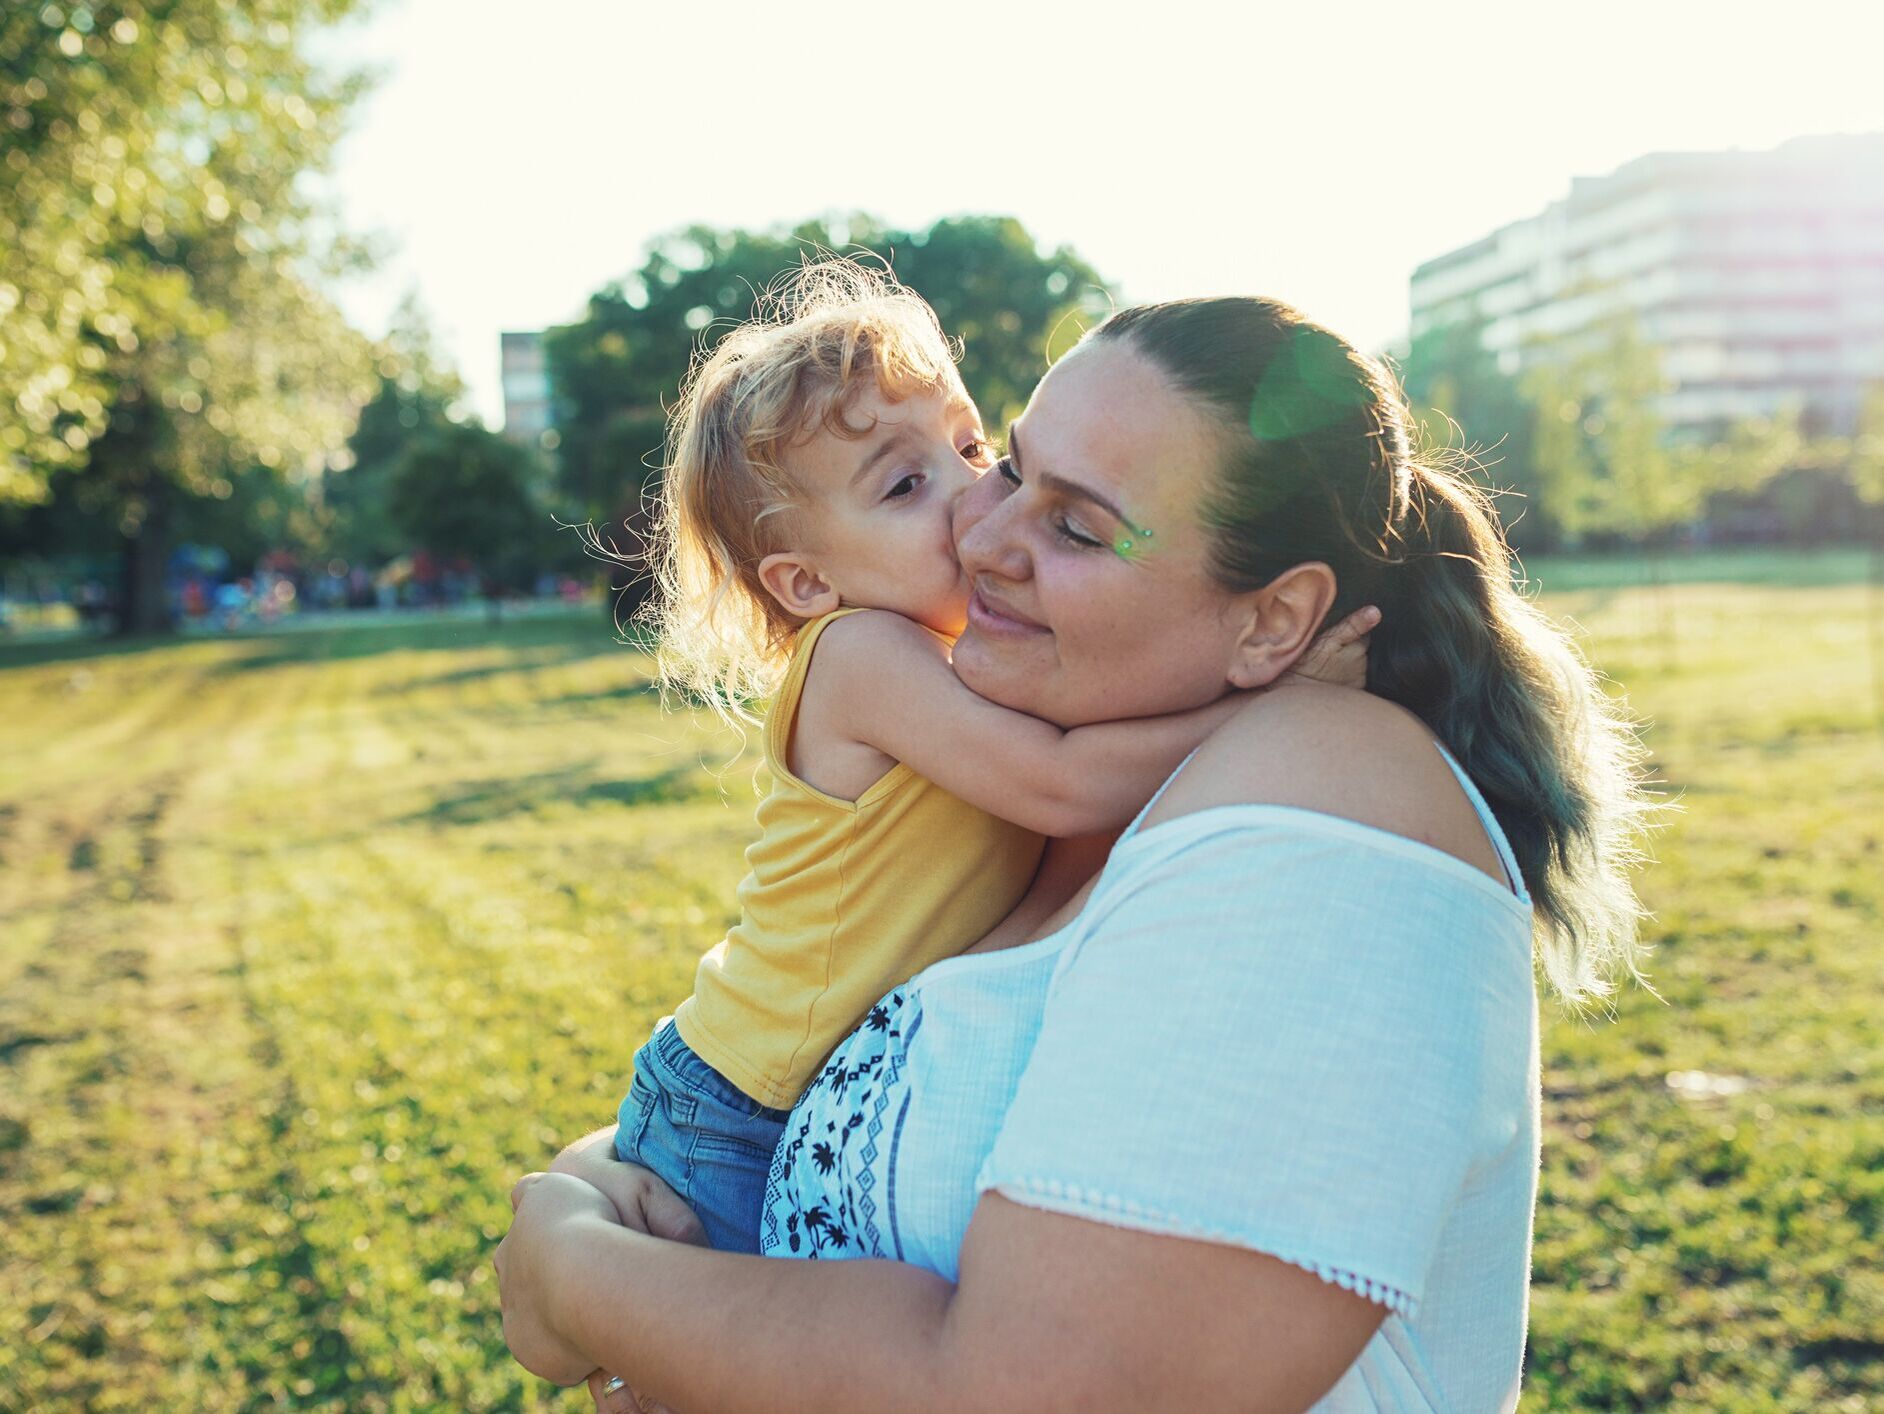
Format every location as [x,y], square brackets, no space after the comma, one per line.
[516,157]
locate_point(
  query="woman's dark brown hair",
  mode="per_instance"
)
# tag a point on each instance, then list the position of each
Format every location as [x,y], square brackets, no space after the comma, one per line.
[1320,463]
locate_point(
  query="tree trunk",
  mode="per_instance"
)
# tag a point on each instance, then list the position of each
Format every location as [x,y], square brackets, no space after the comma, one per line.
[1876,596]
[146,606]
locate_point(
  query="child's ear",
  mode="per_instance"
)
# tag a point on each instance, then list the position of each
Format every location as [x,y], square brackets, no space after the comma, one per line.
[796,584]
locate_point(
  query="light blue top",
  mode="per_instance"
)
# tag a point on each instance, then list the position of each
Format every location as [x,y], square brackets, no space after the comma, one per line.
[1268,1027]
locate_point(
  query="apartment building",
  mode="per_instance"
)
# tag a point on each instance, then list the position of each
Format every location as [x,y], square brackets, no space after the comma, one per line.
[1758,275]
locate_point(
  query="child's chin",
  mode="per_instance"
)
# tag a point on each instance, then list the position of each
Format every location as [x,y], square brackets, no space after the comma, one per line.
[950,619]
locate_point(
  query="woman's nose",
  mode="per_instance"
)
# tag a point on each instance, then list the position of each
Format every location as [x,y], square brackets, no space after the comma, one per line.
[985,526]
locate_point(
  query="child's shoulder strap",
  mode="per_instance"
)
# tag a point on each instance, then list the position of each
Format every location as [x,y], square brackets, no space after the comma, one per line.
[784,709]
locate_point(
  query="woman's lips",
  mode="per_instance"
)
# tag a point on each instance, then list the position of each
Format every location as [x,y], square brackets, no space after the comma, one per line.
[995,618]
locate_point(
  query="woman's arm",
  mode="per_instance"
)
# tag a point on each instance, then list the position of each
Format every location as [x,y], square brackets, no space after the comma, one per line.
[1052,1312]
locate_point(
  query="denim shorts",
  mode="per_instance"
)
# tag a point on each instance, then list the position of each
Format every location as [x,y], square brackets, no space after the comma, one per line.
[707,1139]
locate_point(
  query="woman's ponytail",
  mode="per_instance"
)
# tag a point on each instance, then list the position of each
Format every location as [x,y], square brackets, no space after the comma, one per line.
[1508,693]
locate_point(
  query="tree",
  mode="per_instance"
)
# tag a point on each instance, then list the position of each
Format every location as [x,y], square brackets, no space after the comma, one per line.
[417,394]
[161,327]
[1867,478]
[1459,392]
[615,372]
[464,493]
[1606,461]
[1005,299]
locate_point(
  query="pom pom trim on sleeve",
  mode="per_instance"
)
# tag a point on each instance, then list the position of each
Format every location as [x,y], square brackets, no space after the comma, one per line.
[1052,1195]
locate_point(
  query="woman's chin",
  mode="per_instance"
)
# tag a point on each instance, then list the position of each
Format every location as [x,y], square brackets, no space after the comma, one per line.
[987,671]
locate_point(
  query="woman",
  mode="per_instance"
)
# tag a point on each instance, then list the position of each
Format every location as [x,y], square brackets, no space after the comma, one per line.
[1257,1127]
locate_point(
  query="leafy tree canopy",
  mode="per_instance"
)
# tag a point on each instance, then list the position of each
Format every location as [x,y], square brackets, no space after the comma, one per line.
[463,492]
[615,371]
[162,329]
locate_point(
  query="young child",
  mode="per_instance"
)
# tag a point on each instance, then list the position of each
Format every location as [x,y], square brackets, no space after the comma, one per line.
[806,557]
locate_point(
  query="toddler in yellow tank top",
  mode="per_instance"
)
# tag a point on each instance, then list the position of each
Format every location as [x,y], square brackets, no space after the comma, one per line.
[805,556]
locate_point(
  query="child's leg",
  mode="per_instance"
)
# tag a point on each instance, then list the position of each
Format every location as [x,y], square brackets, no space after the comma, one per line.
[709,1141]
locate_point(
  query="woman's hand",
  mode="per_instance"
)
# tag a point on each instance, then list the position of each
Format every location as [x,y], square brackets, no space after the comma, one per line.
[1338,656]
[535,1265]
[643,1202]
[613,1397]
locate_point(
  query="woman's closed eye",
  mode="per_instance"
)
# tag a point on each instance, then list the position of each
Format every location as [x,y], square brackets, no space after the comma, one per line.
[1062,527]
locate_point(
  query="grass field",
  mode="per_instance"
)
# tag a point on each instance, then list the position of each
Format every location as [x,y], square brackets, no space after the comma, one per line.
[308,941]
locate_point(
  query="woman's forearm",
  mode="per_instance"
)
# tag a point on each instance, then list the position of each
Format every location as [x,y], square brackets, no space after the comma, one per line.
[698,1329]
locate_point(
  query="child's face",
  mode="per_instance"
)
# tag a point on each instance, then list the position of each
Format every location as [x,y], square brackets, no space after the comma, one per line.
[878,507]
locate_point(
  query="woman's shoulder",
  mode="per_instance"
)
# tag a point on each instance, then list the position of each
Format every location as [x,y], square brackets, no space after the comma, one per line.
[1339,752]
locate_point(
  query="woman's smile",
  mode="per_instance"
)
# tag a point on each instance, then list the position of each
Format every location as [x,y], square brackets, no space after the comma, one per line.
[988,614]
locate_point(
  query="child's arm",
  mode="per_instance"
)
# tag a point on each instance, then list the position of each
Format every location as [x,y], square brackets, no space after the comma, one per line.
[888,684]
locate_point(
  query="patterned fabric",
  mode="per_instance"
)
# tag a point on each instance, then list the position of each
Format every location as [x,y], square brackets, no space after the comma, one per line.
[846,1140]
[1270,1028]
[878,1158]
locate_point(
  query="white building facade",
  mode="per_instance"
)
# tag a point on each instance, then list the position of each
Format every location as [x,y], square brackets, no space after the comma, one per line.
[528,411]
[1759,276]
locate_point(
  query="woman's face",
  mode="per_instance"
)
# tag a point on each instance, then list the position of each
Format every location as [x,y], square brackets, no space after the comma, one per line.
[1086,551]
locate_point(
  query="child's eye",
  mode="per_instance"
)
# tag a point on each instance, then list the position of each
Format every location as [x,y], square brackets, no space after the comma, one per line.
[905,487]
[977,449]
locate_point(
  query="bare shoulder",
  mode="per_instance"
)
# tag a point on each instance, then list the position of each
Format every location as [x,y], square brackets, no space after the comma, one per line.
[1336,751]
[864,664]
[864,639]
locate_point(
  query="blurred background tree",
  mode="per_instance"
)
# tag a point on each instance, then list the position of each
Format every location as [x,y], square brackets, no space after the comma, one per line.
[464,493]
[163,336]
[1866,466]
[1463,400]
[615,372]
[417,395]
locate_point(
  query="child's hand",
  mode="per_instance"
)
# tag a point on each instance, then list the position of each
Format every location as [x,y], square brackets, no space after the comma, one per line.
[1339,656]
[641,1200]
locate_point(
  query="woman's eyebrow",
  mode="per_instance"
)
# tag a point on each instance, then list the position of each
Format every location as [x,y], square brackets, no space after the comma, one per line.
[1072,489]
[1077,492]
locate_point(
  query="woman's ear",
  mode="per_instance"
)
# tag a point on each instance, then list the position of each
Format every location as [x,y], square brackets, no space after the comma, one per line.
[1284,617]
[795,582]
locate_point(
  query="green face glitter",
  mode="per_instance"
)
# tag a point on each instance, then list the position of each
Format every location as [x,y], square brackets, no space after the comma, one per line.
[1125,545]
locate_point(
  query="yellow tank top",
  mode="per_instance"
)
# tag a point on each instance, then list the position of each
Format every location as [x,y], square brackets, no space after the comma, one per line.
[842,901]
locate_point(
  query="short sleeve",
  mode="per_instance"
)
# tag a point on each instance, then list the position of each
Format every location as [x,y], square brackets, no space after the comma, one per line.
[1282,1031]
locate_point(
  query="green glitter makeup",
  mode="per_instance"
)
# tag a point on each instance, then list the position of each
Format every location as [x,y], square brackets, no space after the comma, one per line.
[1131,545]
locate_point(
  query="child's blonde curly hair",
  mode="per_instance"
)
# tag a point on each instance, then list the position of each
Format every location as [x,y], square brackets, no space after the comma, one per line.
[820,336]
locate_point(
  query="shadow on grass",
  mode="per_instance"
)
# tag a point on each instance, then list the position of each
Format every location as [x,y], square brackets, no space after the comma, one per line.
[479,802]
[541,641]
[79,646]
[521,660]
[641,687]
[577,634]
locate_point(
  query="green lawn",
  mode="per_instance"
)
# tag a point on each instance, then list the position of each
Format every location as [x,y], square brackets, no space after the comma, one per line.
[307,941]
